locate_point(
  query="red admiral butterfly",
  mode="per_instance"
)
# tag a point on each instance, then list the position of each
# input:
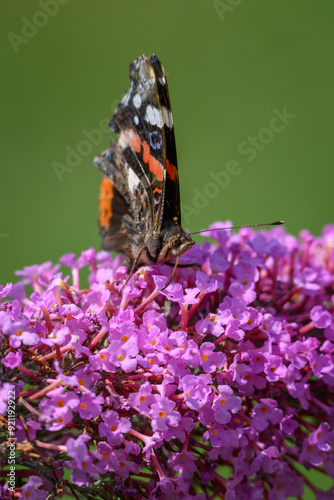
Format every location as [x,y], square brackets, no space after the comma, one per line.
[140,212]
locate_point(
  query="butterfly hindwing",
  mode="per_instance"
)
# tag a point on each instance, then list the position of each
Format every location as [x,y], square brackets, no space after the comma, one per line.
[123,199]
[113,209]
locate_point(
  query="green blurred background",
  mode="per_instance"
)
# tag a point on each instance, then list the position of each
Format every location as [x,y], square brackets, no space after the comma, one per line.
[229,64]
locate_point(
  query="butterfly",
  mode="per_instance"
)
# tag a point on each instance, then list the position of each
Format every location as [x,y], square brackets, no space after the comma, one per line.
[140,212]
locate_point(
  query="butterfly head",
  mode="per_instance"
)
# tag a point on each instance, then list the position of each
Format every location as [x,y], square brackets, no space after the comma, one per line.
[175,242]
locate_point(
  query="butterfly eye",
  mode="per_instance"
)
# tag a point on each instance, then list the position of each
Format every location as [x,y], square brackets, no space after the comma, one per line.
[174,242]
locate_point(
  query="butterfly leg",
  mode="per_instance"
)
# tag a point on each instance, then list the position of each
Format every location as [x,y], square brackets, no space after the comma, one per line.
[135,262]
[134,265]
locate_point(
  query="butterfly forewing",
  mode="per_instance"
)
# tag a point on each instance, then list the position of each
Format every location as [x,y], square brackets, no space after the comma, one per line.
[145,124]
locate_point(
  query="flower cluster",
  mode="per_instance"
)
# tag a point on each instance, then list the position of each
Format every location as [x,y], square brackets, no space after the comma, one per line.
[218,386]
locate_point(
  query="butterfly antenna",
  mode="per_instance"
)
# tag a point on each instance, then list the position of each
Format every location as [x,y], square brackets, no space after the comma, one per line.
[277,223]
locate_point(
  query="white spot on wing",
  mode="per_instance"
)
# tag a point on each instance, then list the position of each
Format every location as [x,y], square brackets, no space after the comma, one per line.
[132,179]
[153,116]
[167,117]
[123,140]
[136,120]
[137,101]
[162,80]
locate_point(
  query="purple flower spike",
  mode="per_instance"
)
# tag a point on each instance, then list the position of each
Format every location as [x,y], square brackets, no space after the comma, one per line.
[151,392]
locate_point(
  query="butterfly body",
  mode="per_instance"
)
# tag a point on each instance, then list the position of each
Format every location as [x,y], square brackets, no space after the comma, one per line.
[139,200]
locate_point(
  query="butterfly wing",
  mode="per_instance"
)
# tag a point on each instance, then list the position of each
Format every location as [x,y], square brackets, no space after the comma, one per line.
[123,200]
[143,120]
[140,199]
[172,210]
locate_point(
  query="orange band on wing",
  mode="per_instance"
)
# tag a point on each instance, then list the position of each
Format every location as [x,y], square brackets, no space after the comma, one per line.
[171,171]
[156,168]
[133,140]
[154,165]
[146,152]
[105,199]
